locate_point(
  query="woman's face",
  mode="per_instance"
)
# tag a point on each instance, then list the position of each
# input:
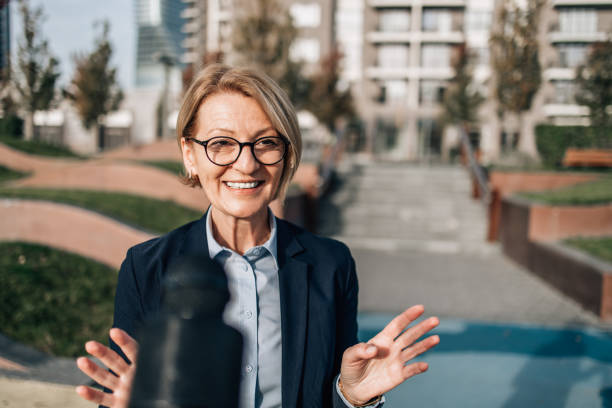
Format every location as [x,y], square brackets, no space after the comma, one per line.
[230,189]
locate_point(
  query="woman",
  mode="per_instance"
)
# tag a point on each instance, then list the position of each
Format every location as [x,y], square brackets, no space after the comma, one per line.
[294,295]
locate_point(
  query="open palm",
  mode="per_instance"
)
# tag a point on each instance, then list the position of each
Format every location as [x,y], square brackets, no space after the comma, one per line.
[373,368]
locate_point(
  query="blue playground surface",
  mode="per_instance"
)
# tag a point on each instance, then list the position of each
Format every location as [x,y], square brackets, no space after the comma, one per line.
[507,366]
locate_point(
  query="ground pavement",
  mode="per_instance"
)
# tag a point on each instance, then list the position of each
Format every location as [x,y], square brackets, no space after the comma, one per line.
[508,339]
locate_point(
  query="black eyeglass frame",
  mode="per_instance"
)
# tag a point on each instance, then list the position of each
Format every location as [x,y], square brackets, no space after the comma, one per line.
[204,143]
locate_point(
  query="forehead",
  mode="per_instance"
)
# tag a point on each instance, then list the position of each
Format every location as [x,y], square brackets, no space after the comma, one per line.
[233,111]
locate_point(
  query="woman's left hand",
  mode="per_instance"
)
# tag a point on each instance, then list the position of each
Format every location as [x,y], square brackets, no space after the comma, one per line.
[373,368]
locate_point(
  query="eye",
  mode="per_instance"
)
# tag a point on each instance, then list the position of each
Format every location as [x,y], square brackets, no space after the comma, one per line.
[220,143]
[269,141]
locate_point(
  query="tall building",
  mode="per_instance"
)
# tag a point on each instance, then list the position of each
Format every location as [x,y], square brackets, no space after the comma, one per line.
[160,34]
[208,28]
[5,32]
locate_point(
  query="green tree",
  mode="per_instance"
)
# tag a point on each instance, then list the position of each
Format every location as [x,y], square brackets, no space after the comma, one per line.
[37,70]
[94,89]
[461,100]
[326,100]
[262,38]
[594,80]
[515,62]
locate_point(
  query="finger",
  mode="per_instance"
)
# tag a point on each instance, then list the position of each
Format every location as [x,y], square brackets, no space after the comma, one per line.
[420,347]
[399,323]
[95,396]
[127,344]
[414,333]
[414,369]
[111,359]
[359,352]
[97,373]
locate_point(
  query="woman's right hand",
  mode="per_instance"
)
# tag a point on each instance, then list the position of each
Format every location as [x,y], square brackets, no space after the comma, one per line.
[119,384]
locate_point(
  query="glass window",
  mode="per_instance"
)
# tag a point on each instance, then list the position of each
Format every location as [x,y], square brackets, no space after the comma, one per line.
[431,92]
[438,20]
[435,56]
[394,91]
[564,92]
[478,20]
[577,20]
[306,14]
[392,56]
[572,55]
[394,20]
[305,49]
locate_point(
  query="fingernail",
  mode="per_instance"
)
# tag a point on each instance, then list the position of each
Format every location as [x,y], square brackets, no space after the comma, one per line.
[371,348]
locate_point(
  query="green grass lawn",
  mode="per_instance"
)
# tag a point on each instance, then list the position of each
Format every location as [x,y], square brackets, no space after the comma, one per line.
[148,214]
[589,193]
[598,247]
[7,174]
[38,148]
[172,166]
[54,300]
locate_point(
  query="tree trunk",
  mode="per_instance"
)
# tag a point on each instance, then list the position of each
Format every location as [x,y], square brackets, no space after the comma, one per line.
[526,142]
[28,126]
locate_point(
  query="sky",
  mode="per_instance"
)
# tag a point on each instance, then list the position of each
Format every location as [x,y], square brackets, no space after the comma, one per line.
[69,28]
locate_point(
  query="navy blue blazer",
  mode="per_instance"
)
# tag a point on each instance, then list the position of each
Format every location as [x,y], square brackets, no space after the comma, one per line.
[318,295]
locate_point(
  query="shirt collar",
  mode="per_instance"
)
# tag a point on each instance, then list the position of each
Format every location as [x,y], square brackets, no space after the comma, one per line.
[214,248]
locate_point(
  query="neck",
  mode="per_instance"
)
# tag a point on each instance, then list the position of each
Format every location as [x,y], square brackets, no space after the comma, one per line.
[240,234]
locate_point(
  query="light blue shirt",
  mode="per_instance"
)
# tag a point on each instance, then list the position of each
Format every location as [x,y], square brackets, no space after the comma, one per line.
[254,310]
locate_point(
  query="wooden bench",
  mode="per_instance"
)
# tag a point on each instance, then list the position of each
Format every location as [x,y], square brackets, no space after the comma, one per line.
[588,158]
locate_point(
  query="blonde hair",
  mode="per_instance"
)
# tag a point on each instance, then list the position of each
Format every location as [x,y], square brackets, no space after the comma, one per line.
[218,78]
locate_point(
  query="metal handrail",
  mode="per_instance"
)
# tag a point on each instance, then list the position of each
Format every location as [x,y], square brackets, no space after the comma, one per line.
[475,168]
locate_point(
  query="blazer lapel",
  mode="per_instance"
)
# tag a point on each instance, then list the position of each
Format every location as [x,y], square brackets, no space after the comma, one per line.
[293,284]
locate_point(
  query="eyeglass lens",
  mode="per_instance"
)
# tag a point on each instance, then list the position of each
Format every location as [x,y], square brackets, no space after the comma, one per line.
[225,150]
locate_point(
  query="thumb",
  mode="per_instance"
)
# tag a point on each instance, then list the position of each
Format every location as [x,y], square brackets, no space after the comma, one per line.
[359,352]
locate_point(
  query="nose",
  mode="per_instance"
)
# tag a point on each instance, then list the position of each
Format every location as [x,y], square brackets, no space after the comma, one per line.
[246,162]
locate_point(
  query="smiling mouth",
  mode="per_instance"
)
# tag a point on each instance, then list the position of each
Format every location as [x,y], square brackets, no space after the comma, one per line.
[241,186]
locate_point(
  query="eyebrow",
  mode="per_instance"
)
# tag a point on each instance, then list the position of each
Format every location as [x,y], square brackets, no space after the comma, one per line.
[258,133]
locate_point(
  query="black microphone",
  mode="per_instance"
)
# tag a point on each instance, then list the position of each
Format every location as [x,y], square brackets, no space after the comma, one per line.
[188,356]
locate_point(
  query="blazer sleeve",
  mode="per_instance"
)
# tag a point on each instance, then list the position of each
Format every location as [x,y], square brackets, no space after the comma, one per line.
[129,312]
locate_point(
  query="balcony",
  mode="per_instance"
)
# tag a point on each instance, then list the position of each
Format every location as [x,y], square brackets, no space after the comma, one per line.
[562,37]
[383,73]
[391,3]
[190,42]
[190,12]
[453,37]
[390,36]
[559,74]
[435,73]
[565,110]
[191,27]
[562,3]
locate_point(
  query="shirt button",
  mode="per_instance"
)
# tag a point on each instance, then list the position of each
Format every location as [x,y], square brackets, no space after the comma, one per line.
[245,267]
[248,368]
[249,314]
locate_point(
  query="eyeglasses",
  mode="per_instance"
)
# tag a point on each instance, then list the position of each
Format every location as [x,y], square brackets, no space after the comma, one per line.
[223,150]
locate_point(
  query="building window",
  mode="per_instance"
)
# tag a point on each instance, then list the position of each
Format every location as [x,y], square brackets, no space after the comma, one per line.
[394,20]
[435,56]
[393,91]
[305,49]
[392,56]
[478,20]
[438,20]
[564,92]
[480,55]
[572,55]
[577,20]
[306,14]
[431,92]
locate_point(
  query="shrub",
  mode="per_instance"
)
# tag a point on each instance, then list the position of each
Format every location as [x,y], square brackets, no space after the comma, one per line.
[552,141]
[11,125]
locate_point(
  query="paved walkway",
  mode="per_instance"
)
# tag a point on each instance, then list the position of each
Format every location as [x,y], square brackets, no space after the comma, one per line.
[69,228]
[418,237]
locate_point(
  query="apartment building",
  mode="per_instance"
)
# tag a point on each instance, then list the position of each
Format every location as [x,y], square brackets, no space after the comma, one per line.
[573,26]
[5,35]
[208,28]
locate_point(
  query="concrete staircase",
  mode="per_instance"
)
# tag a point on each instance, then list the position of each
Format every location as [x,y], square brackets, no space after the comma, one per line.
[398,206]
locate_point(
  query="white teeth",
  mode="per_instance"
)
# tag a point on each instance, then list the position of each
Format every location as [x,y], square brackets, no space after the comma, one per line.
[252,184]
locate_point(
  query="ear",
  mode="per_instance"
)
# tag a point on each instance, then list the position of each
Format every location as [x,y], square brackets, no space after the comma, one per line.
[189,157]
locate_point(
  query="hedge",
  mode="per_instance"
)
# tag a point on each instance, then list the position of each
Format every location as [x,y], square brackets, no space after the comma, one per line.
[552,141]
